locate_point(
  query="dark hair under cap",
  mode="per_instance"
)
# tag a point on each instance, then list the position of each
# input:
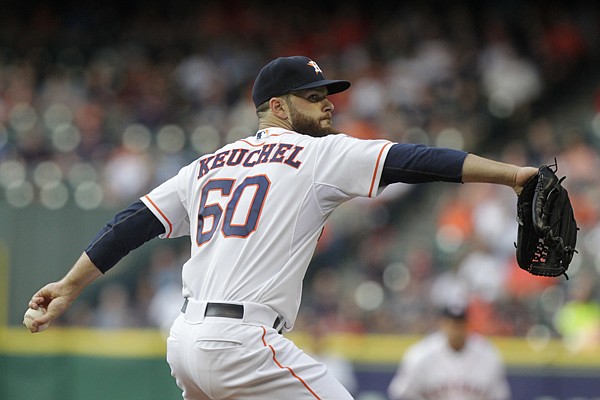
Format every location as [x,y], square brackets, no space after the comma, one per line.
[287,74]
[454,311]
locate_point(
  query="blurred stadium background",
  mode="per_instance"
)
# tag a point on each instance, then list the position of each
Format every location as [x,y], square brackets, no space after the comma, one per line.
[98,104]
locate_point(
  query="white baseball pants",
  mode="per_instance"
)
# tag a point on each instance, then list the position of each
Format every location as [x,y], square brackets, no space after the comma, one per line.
[220,358]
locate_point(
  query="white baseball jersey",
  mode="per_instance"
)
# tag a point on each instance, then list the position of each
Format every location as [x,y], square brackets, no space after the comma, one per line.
[254,211]
[431,370]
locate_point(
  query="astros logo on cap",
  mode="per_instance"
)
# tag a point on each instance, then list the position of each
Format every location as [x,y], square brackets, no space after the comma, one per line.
[315,66]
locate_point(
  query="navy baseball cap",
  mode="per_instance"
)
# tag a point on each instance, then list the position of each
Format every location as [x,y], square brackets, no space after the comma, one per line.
[287,74]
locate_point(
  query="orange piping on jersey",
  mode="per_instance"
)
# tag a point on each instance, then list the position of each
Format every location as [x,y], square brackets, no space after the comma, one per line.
[250,144]
[162,214]
[288,368]
[376,168]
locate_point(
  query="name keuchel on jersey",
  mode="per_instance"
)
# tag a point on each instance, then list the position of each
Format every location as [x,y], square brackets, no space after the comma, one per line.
[278,153]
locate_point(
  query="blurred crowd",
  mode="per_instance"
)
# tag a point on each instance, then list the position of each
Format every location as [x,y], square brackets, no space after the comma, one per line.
[99,105]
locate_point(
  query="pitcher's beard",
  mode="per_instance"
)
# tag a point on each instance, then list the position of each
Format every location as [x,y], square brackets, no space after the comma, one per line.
[311,127]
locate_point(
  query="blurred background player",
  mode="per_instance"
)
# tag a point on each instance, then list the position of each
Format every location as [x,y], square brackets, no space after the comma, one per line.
[451,364]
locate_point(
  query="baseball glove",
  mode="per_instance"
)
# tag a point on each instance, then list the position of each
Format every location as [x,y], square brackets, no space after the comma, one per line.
[547,231]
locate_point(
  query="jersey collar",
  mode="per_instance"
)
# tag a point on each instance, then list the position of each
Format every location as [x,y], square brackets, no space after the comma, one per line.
[265,133]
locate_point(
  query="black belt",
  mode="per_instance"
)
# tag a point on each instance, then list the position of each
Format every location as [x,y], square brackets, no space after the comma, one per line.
[226,310]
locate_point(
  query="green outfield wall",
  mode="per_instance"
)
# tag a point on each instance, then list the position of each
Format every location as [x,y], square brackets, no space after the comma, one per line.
[85,364]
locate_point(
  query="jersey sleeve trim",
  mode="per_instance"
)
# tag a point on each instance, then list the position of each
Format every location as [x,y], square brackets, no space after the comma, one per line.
[377,171]
[164,217]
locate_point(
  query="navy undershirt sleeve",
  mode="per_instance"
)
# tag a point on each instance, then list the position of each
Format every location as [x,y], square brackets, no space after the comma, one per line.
[417,163]
[128,230]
